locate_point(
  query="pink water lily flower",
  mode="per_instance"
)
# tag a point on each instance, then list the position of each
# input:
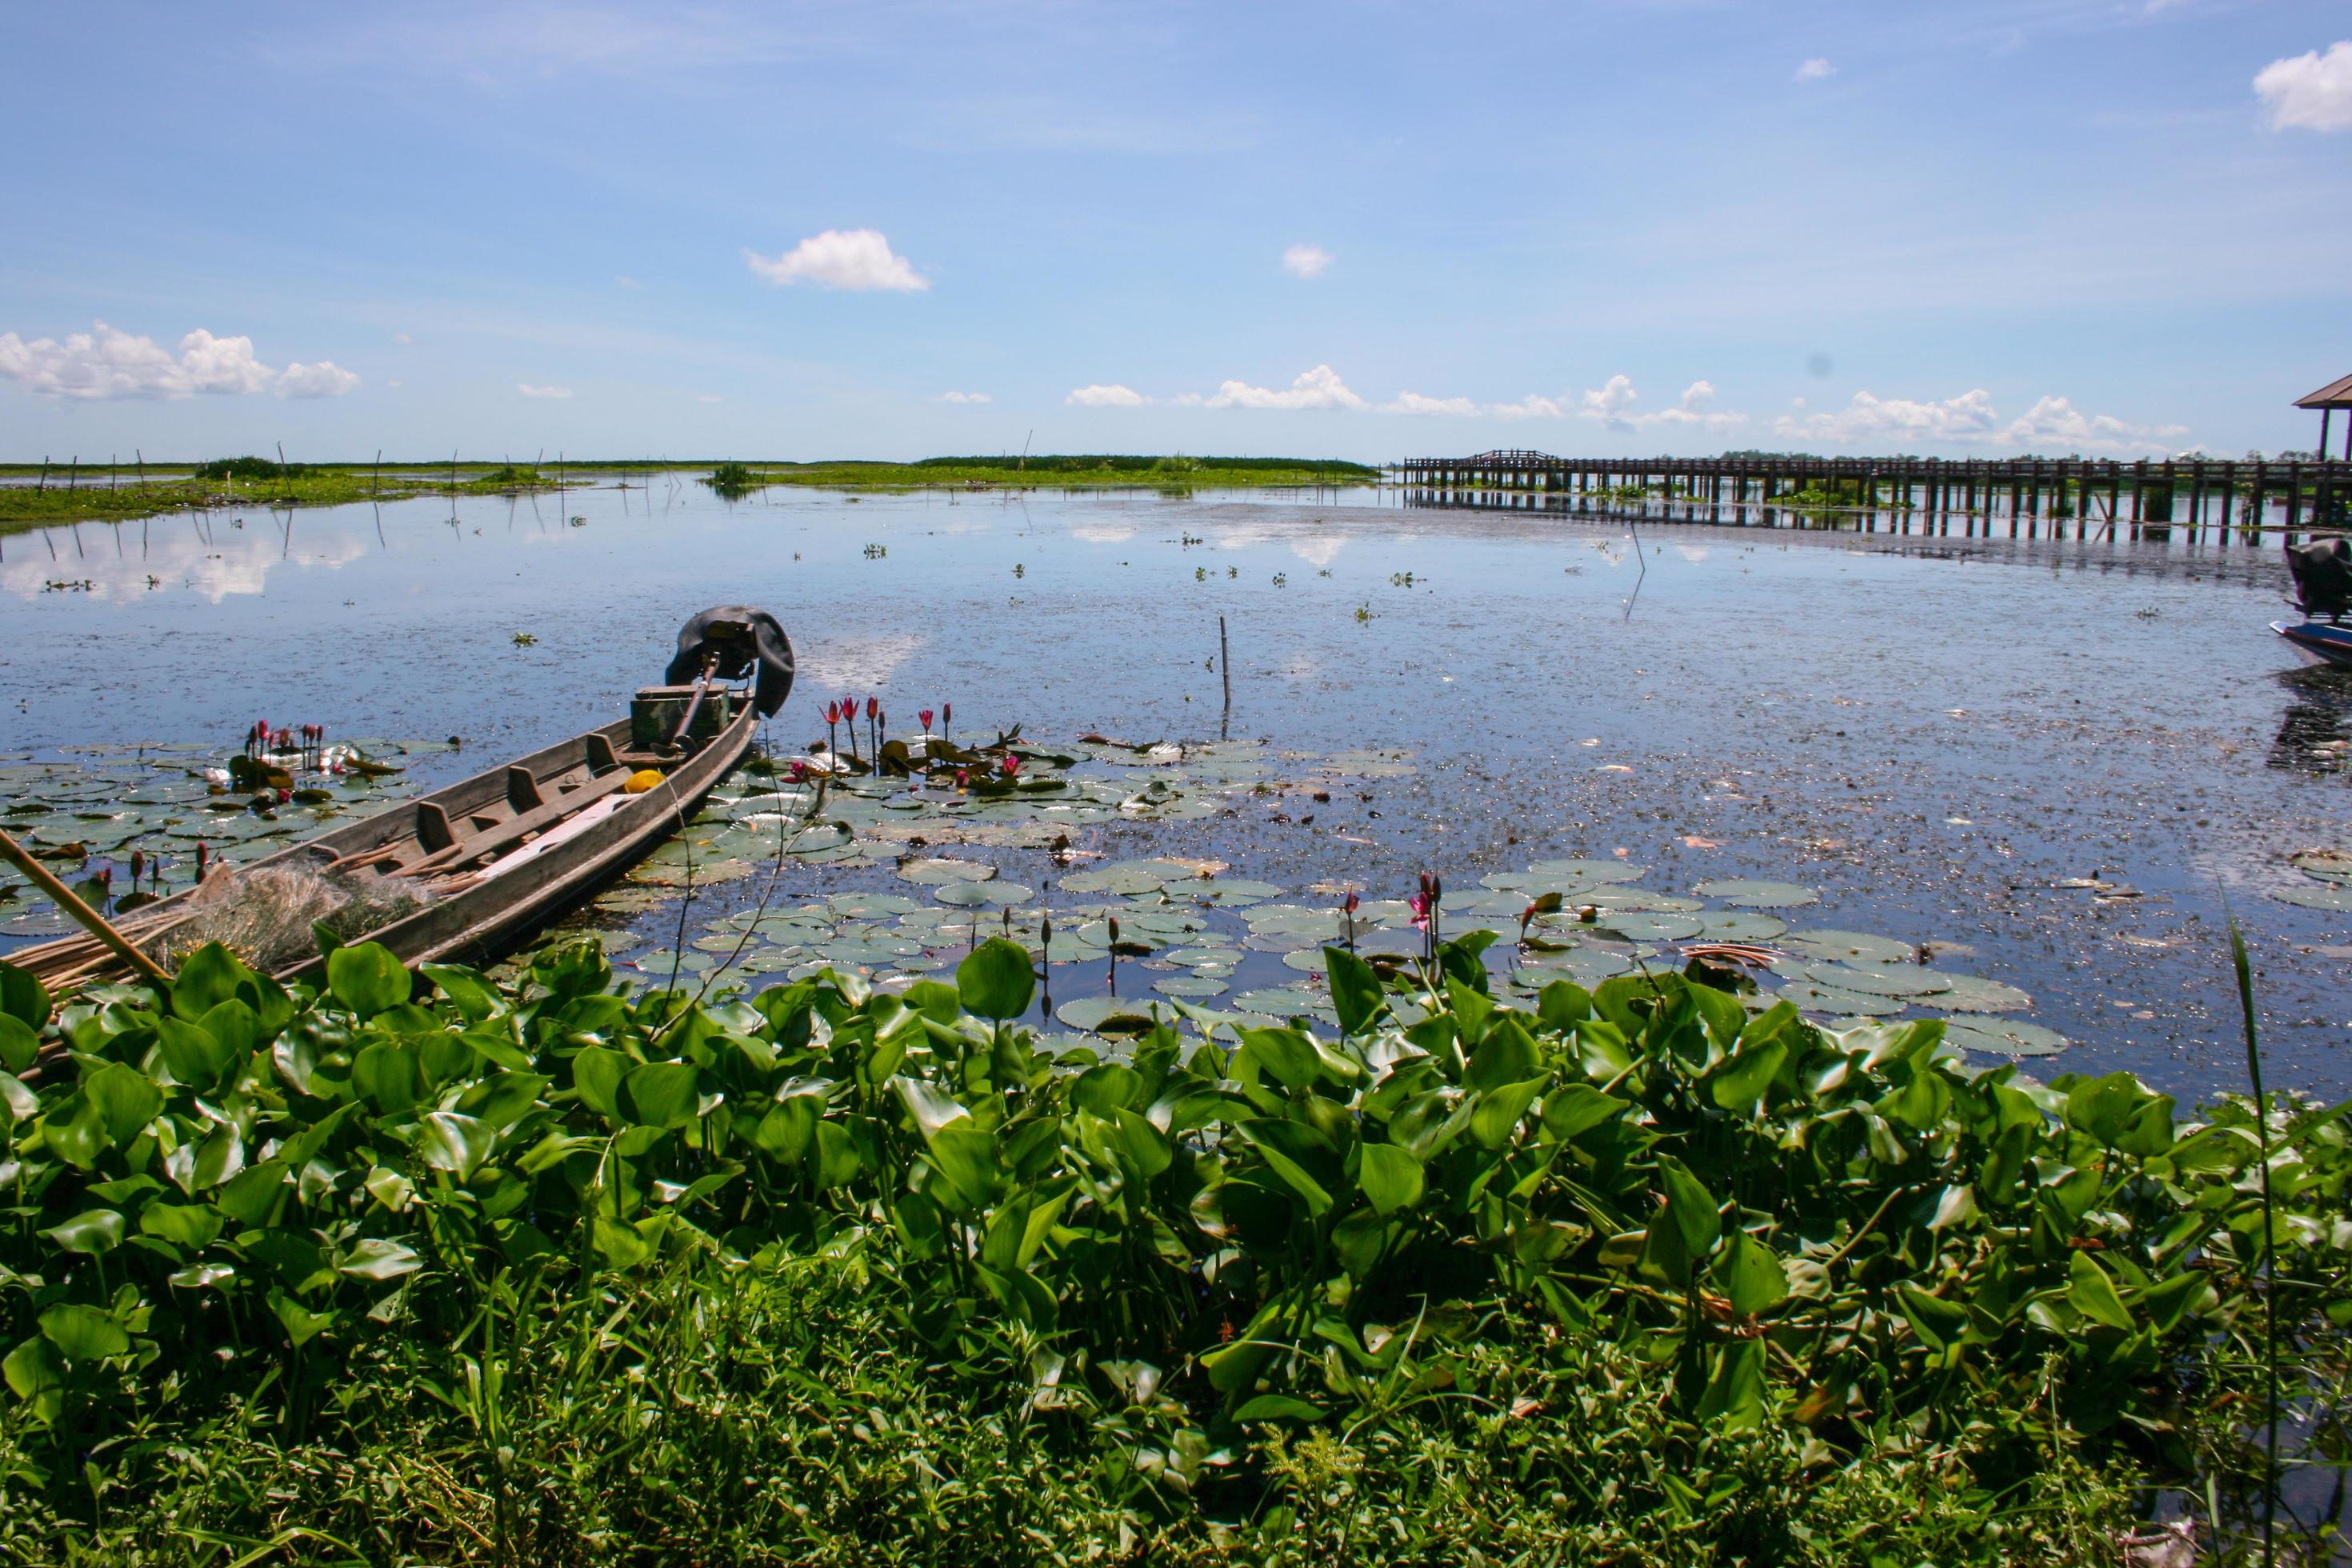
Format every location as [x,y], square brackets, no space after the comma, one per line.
[925,717]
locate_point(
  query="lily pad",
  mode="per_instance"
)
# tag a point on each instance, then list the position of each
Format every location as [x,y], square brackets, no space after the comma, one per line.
[2333,897]
[1107,1014]
[1973,994]
[2007,1036]
[1879,980]
[1818,998]
[991,895]
[1637,926]
[941,872]
[1743,893]
[1588,870]
[1735,925]
[1193,985]
[1841,945]
[1231,891]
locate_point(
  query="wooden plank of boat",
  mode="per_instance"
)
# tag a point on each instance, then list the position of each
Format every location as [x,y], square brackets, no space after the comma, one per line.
[505,849]
[2325,640]
[467,910]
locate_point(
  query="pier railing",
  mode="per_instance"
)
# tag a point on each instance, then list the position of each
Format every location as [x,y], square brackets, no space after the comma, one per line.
[2039,497]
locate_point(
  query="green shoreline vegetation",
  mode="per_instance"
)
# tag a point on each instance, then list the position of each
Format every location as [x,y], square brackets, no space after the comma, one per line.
[1051,472]
[557,1272]
[102,494]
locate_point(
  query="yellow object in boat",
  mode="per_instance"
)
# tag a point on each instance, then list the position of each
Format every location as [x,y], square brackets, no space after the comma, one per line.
[643,780]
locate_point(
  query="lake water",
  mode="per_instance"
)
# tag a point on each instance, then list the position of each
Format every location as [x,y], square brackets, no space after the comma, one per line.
[1931,734]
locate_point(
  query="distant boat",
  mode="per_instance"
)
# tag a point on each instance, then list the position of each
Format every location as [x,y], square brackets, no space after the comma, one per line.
[2321,570]
[470,867]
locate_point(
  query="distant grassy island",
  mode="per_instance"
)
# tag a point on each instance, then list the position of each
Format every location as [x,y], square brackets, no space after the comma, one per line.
[115,493]
[1082,471]
[63,494]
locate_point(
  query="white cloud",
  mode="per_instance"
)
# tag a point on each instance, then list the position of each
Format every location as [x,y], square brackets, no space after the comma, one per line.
[2053,423]
[966,397]
[1305,261]
[1112,396]
[1414,402]
[530,391]
[1531,406]
[325,379]
[626,282]
[1318,388]
[105,363]
[1613,405]
[857,259]
[2311,91]
[1816,70]
[707,397]
[403,338]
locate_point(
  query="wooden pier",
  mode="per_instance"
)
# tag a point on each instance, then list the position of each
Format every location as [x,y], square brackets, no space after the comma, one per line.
[2036,498]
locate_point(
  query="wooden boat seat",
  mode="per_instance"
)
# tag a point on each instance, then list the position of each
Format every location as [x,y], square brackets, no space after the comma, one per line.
[517,827]
[522,790]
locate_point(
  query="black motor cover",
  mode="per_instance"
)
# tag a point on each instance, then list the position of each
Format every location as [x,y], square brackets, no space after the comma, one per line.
[2323,575]
[739,637]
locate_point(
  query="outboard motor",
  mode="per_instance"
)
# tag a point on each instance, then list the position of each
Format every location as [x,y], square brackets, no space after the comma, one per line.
[2323,576]
[731,641]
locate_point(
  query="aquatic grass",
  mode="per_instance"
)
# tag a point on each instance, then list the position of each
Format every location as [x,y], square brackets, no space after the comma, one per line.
[1210,1275]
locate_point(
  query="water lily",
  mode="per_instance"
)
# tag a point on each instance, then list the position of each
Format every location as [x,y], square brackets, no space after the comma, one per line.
[925,717]
[1012,765]
[832,718]
[201,853]
[947,717]
[1348,909]
[1113,952]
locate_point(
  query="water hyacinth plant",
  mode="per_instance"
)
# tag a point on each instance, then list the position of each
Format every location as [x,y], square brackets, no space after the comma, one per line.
[1661,1269]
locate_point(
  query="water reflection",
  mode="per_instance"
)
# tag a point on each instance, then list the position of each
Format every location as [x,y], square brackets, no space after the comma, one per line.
[2315,733]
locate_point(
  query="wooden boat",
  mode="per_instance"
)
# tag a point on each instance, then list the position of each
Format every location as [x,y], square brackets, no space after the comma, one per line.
[2328,642]
[495,853]
[2321,571]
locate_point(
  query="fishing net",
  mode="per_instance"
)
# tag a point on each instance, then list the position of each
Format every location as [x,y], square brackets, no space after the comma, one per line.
[268,916]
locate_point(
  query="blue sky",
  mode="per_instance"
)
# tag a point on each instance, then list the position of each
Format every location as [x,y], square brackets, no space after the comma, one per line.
[1366,230]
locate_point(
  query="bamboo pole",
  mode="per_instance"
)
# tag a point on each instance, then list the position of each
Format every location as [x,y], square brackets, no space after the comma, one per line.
[68,900]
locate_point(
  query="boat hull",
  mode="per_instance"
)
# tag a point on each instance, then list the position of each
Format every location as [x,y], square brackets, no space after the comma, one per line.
[571,858]
[2323,642]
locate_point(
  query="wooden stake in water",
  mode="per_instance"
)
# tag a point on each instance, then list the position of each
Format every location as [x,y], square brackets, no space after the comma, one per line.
[65,898]
[1225,662]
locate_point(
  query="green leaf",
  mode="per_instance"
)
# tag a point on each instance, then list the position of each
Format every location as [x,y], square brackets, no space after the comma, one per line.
[966,1157]
[1496,1113]
[19,1045]
[456,1143]
[389,1074]
[21,1103]
[83,1333]
[838,1159]
[208,977]
[2102,1108]
[249,1196]
[1278,1407]
[596,1073]
[23,997]
[2168,1301]
[929,1105]
[1391,1179]
[192,1225]
[1268,1137]
[789,1129]
[1507,1056]
[473,995]
[1692,1208]
[621,1246]
[74,1131]
[36,1372]
[1355,991]
[1139,1142]
[2148,1134]
[301,1324]
[1735,1394]
[367,977]
[191,1052]
[1937,1322]
[379,1259]
[1576,1108]
[92,1233]
[1284,1054]
[126,1098]
[664,1094]
[995,980]
[1749,1273]
[2093,1293]
[1742,1080]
